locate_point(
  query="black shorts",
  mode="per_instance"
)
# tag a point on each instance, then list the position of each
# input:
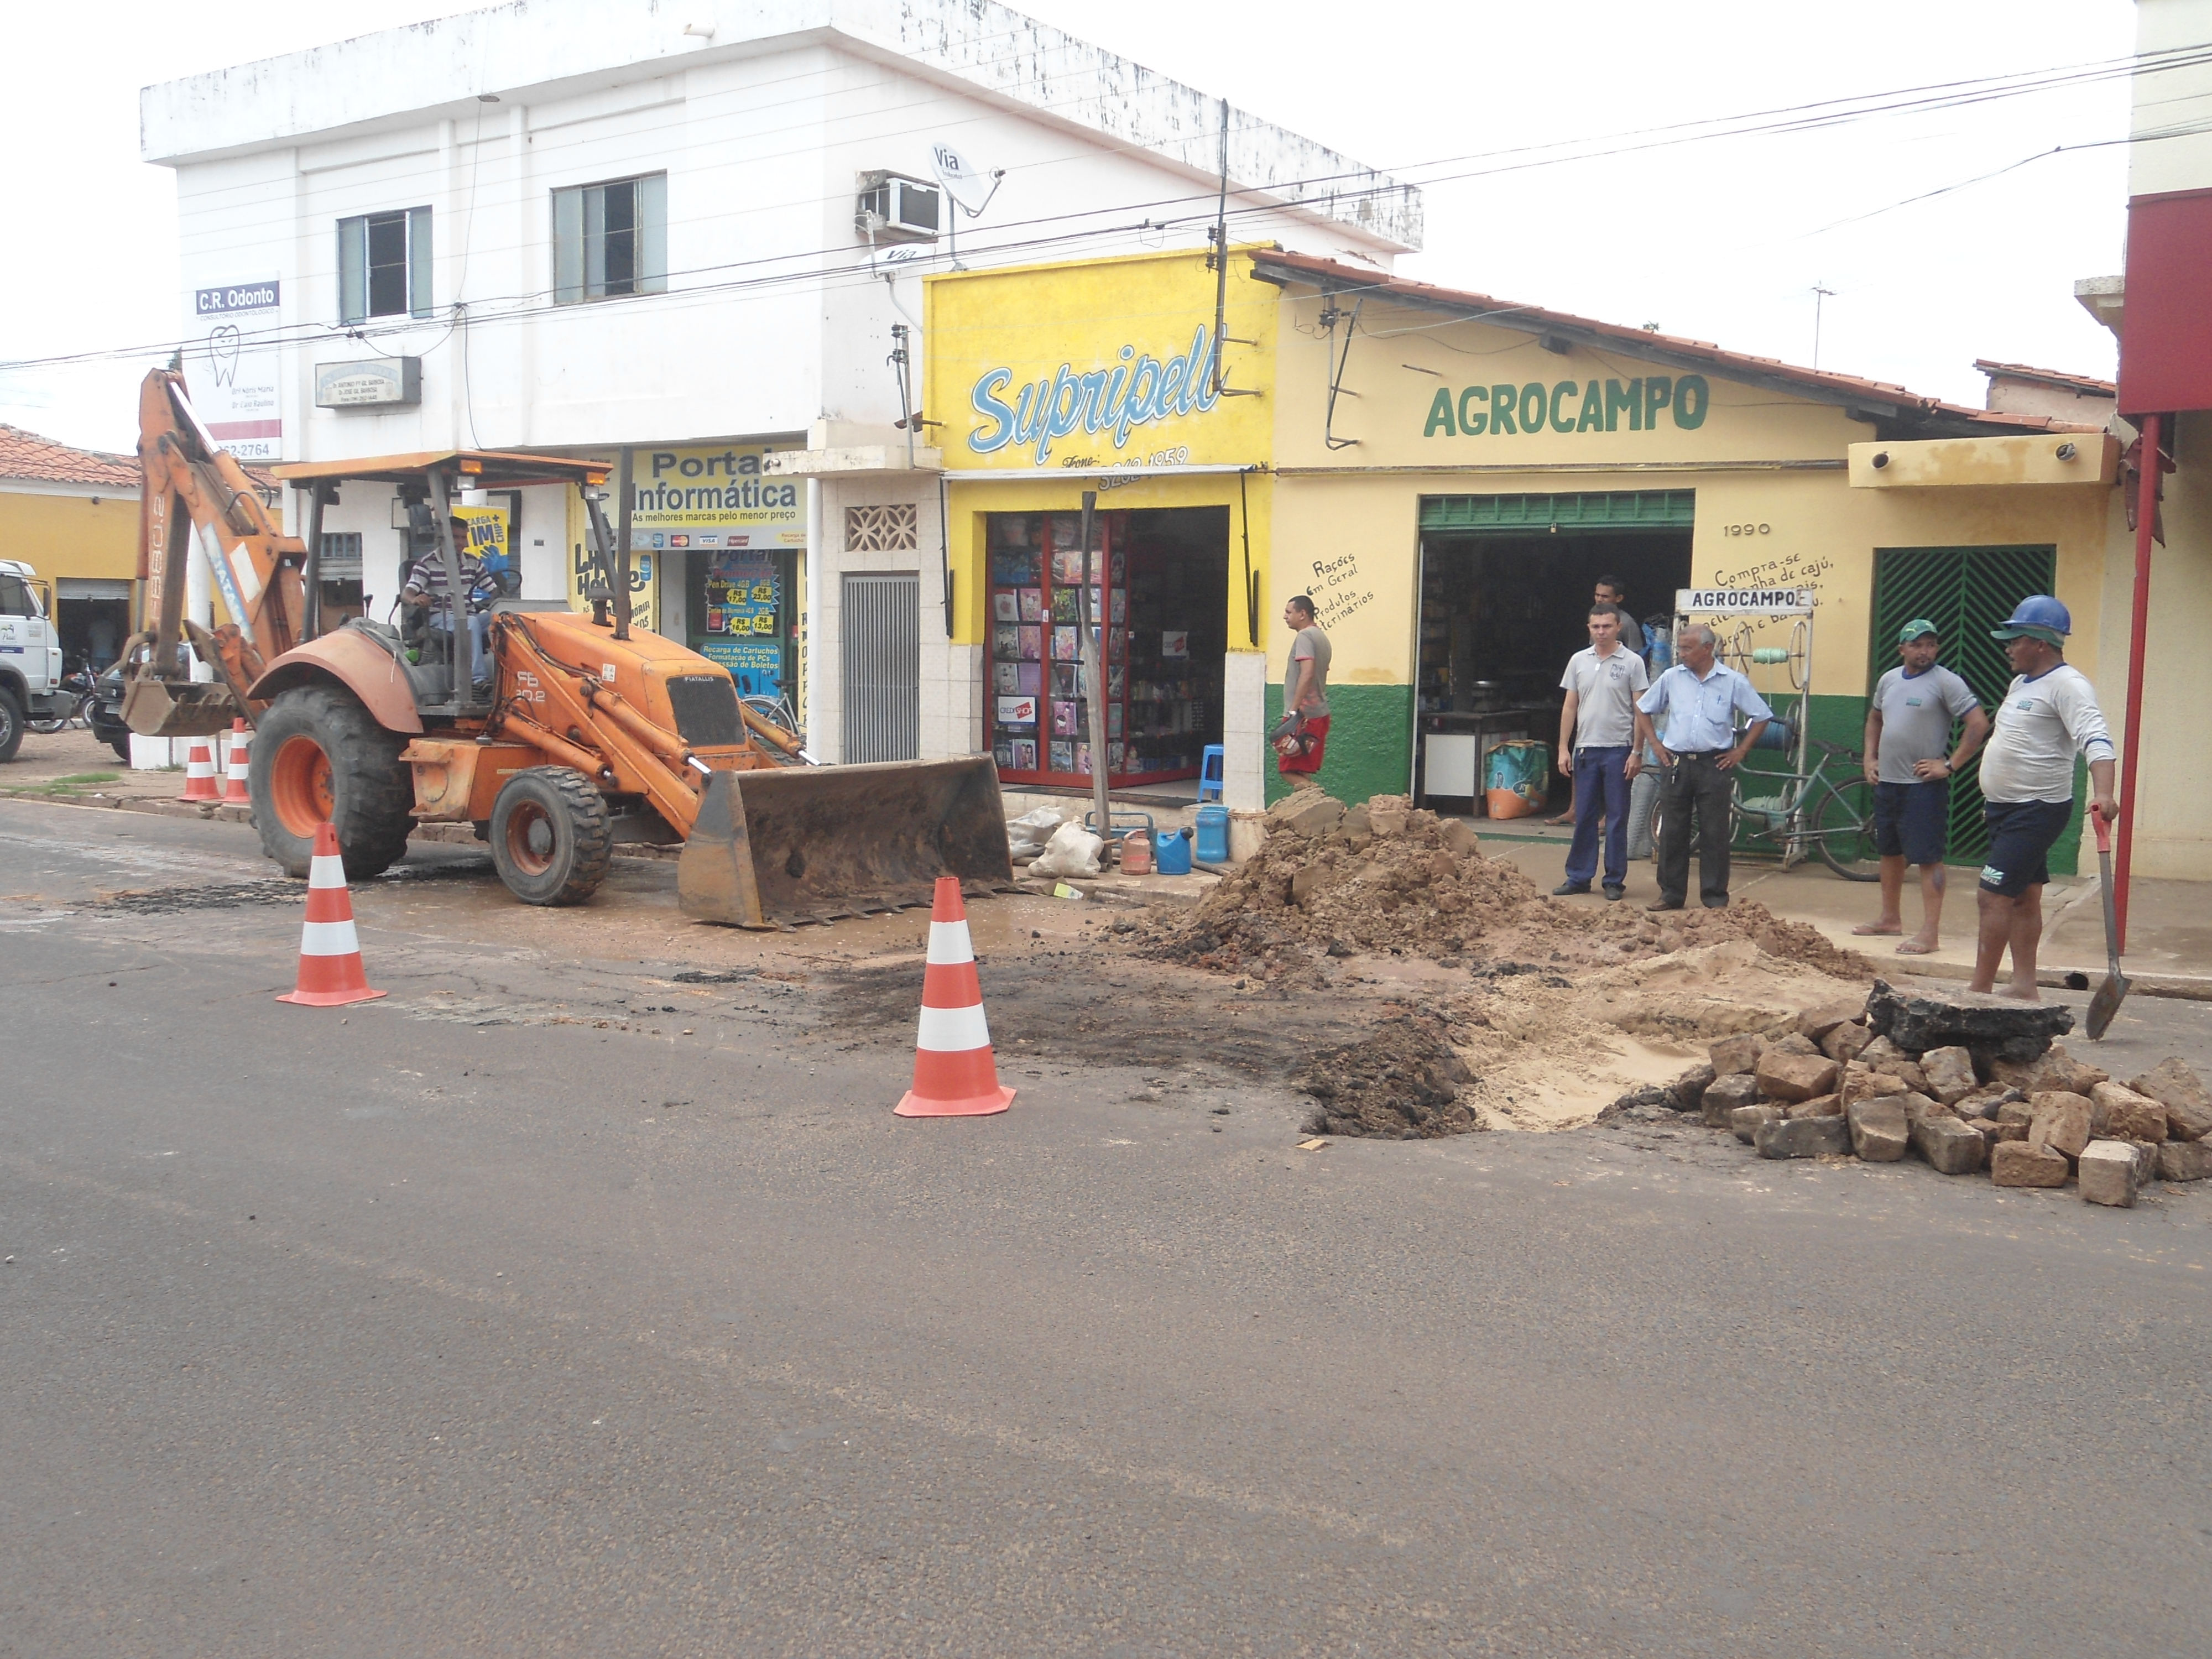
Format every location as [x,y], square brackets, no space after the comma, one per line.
[1912,821]
[2020,833]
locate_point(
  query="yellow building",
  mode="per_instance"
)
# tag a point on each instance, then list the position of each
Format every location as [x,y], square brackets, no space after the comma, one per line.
[72,515]
[1446,475]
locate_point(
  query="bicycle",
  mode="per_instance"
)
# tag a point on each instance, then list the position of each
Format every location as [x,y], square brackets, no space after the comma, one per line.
[1816,814]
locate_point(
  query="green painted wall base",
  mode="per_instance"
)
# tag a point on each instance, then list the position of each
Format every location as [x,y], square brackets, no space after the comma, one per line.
[1370,743]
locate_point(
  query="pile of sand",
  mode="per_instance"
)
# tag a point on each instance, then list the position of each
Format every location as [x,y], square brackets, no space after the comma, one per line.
[1387,877]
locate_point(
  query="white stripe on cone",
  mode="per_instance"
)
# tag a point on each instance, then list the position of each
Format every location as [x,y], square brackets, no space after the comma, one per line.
[200,763]
[328,938]
[953,1030]
[949,944]
[326,872]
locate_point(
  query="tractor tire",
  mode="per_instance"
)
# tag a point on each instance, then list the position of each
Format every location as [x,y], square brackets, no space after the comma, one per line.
[320,757]
[11,725]
[552,838]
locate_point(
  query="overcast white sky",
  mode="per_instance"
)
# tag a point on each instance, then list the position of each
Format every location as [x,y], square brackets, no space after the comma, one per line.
[1723,240]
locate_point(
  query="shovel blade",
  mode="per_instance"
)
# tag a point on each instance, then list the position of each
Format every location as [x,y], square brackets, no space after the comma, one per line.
[178,709]
[2106,1003]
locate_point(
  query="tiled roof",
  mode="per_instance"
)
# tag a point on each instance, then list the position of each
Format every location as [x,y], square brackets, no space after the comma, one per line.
[2089,385]
[1904,413]
[26,455]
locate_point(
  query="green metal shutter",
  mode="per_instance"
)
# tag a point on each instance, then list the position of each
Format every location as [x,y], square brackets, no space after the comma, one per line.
[1584,513]
[1965,592]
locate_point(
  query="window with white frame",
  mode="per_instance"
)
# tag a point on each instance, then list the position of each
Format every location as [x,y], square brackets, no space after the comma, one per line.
[384,265]
[610,240]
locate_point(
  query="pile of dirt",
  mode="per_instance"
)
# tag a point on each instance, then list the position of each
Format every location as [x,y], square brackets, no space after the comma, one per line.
[1392,879]
[1401,1083]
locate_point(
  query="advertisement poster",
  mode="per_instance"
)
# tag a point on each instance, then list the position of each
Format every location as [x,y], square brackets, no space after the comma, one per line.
[233,369]
[743,625]
[642,611]
[489,535]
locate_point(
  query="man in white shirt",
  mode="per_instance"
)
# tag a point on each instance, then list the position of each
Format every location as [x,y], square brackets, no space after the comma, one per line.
[1597,732]
[2049,715]
[1910,762]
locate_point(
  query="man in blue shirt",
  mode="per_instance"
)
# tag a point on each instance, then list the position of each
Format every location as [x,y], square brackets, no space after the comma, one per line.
[1688,716]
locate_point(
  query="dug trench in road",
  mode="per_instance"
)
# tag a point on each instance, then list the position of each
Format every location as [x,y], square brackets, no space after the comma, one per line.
[407,1336]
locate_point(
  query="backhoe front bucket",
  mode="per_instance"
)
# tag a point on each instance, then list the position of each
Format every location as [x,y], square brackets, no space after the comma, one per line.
[775,846]
[179,708]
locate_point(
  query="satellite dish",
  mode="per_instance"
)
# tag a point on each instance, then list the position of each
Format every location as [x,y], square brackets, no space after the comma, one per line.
[964,181]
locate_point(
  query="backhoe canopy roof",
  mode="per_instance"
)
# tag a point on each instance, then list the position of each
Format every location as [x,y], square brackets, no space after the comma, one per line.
[474,469]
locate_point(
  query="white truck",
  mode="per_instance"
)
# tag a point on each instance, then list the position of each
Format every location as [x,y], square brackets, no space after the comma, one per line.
[30,656]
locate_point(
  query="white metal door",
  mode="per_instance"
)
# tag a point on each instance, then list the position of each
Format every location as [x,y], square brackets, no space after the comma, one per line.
[880,639]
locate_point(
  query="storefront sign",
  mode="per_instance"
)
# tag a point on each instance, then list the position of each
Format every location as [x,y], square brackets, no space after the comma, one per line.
[376,383]
[1140,391]
[1743,601]
[714,498]
[235,370]
[1506,409]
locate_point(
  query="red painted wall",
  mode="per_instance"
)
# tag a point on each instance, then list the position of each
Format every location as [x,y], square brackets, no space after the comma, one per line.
[2166,345]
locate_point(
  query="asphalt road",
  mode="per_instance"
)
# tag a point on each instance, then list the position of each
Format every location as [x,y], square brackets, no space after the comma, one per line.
[519,1313]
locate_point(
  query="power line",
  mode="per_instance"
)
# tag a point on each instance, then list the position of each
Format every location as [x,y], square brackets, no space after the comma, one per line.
[1797,118]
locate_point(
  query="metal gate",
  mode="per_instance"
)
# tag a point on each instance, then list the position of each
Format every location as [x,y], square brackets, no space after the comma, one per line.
[881,644]
[1965,592]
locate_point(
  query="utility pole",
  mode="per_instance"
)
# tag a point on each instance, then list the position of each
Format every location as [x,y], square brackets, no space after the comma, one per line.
[1820,294]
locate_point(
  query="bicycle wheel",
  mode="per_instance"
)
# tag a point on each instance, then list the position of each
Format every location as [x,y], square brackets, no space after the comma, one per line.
[1843,832]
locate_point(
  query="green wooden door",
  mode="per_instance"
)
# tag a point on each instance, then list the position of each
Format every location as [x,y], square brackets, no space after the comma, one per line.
[1965,592]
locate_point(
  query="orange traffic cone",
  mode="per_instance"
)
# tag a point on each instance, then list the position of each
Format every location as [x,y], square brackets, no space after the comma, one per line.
[954,1075]
[329,953]
[233,784]
[199,772]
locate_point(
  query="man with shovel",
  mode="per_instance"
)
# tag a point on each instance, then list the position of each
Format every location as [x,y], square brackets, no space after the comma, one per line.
[2049,715]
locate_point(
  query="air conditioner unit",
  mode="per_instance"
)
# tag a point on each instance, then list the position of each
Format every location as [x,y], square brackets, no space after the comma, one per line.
[896,209]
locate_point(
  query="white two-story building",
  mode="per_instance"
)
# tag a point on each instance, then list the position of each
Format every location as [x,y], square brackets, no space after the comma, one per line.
[693,229]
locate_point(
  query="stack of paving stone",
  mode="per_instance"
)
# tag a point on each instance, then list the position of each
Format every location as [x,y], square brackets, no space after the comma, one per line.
[1967,1083]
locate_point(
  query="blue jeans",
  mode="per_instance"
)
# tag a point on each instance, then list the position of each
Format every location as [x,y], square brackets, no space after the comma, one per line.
[1601,792]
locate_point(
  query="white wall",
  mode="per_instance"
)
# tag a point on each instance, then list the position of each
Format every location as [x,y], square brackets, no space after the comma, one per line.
[2170,99]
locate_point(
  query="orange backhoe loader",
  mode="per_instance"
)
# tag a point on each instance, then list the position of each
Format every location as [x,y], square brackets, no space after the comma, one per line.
[576,732]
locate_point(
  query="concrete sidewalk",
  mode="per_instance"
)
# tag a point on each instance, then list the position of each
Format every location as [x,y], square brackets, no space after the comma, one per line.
[2170,922]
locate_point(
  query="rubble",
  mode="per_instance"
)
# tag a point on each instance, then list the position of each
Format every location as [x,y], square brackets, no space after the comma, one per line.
[1401,1083]
[1950,1146]
[2126,1114]
[2184,1160]
[2188,1106]
[2109,1173]
[1792,1077]
[2017,1163]
[1802,1137]
[2010,1030]
[1880,1129]
[1957,1105]
[1387,877]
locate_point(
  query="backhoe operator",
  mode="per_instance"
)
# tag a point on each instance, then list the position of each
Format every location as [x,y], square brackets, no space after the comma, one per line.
[430,608]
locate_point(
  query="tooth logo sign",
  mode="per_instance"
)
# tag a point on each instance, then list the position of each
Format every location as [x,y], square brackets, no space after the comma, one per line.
[223,341]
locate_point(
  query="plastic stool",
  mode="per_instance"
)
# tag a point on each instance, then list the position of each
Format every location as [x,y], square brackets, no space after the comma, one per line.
[1210,763]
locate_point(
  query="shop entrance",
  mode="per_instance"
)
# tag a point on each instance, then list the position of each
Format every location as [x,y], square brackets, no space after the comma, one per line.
[1159,582]
[1505,591]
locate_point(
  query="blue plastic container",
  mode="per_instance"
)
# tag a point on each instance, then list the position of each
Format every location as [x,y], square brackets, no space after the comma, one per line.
[1171,857]
[1212,836]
